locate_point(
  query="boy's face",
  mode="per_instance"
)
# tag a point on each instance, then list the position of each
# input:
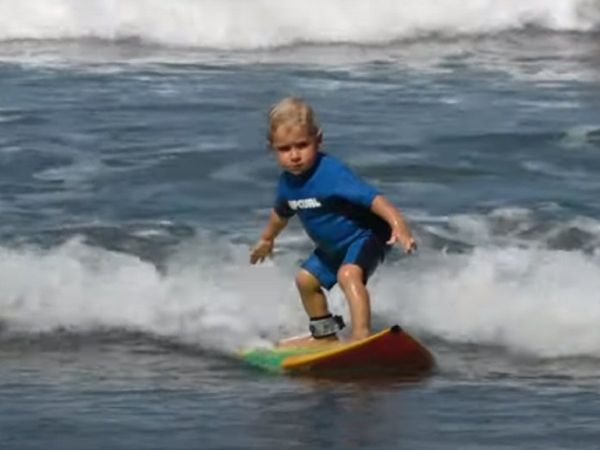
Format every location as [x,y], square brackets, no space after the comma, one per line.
[295,147]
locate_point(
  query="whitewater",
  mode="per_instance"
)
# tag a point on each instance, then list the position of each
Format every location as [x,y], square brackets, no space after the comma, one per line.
[256,24]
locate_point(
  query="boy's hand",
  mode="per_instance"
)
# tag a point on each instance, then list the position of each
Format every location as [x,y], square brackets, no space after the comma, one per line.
[262,250]
[400,231]
[406,240]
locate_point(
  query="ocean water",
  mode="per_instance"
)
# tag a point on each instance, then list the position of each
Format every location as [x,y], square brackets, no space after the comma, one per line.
[134,178]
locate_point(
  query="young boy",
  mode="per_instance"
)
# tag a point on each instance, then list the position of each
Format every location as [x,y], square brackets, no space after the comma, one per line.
[351,224]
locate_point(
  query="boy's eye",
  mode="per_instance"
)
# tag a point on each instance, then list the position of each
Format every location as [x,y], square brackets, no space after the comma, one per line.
[301,144]
[284,148]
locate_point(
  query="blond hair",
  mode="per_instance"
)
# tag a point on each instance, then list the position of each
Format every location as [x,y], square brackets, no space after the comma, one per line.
[292,111]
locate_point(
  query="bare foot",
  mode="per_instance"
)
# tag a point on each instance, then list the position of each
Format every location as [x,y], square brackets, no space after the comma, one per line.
[359,336]
[306,341]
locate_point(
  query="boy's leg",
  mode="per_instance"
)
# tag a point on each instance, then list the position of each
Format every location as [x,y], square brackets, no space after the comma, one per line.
[313,298]
[350,279]
[316,273]
[360,261]
[315,305]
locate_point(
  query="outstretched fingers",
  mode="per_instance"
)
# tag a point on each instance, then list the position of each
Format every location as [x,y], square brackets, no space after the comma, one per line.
[261,251]
[408,243]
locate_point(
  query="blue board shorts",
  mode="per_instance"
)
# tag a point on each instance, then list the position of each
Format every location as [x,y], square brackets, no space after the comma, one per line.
[366,252]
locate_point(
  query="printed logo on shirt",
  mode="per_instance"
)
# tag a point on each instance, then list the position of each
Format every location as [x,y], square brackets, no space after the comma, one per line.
[304,203]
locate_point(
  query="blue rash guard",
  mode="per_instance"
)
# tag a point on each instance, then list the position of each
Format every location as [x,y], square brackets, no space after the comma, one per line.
[334,206]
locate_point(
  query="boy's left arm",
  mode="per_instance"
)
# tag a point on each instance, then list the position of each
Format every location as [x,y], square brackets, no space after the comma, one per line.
[400,231]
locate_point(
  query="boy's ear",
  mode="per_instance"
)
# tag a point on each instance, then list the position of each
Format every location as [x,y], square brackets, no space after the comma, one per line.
[319,136]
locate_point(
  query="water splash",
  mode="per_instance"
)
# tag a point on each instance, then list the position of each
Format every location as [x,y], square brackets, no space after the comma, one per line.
[256,24]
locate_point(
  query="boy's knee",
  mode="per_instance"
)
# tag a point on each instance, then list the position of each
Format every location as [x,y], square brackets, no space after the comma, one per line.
[305,281]
[349,273]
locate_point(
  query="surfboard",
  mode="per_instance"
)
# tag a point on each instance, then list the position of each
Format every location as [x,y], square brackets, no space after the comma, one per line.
[391,351]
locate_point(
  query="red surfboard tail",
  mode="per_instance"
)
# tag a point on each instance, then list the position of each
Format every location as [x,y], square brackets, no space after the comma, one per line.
[390,351]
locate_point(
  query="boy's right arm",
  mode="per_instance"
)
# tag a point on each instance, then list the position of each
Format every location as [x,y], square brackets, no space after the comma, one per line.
[264,246]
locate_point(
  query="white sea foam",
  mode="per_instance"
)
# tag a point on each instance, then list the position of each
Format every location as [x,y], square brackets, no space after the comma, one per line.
[80,288]
[529,300]
[253,24]
[540,302]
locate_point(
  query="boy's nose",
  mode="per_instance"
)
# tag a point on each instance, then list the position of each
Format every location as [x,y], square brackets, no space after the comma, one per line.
[295,155]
